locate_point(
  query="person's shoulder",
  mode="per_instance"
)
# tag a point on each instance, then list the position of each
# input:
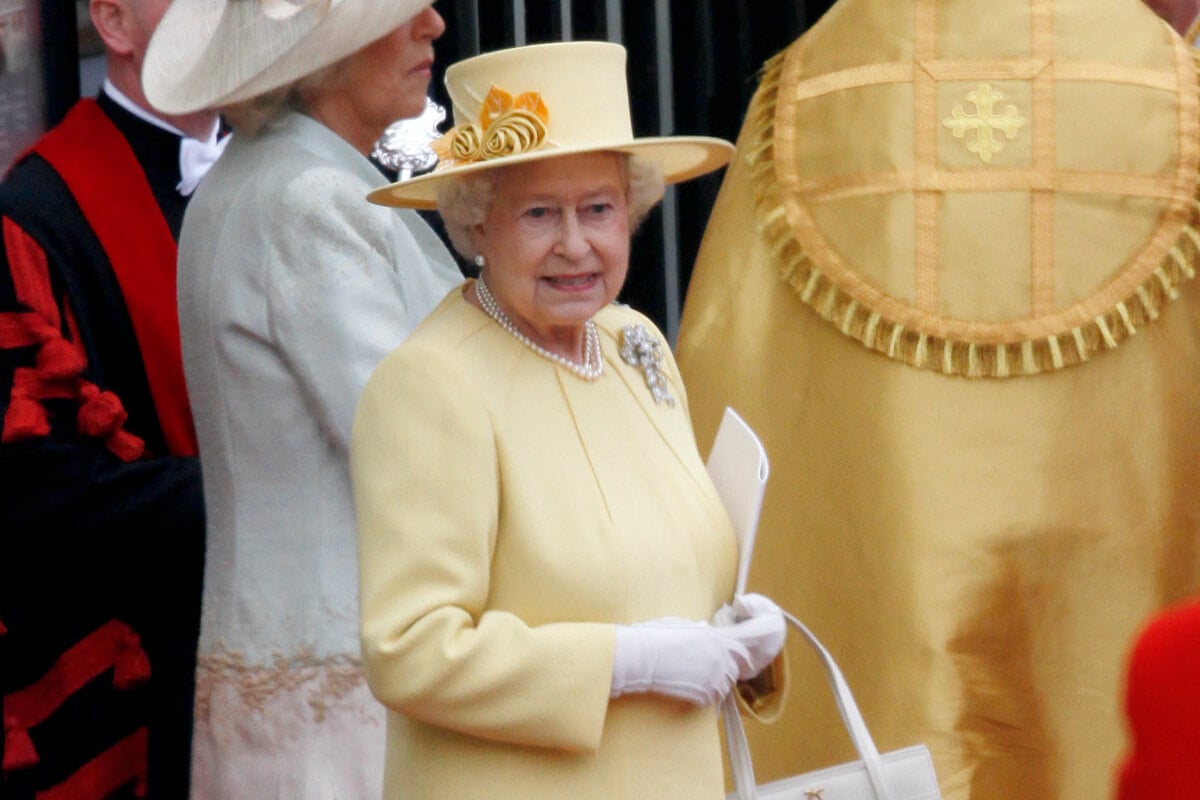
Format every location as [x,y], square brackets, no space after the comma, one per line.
[37,199]
[614,317]
[456,337]
[445,329]
[285,185]
[437,352]
[273,165]
[333,185]
[30,182]
[450,325]
[319,158]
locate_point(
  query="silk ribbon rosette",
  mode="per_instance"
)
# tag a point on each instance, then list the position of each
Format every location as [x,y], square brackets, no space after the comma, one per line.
[507,126]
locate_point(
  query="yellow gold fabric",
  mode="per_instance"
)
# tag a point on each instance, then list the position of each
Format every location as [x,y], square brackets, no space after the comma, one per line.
[975,536]
[884,170]
[1193,32]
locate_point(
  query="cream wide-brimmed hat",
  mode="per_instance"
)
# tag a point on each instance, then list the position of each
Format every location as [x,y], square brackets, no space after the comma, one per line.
[212,53]
[542,101]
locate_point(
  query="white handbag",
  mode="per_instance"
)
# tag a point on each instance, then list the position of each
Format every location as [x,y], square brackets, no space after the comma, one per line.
[899,775]
[739,469]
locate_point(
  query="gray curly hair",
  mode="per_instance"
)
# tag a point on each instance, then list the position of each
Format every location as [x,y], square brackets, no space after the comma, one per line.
[464,202]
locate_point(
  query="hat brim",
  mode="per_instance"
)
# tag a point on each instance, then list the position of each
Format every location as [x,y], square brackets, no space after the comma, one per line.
[681,158]
[206,54]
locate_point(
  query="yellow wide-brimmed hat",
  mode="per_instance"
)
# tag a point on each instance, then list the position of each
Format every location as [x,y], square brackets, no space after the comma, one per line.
[541,101]
[212,53]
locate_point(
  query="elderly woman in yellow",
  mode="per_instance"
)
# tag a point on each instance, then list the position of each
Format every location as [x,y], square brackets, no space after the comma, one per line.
[540,545]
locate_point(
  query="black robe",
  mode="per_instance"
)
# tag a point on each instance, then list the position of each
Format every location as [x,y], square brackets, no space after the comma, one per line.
[88,540]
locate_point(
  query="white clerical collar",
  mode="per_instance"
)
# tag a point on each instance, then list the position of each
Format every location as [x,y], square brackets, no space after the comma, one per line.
[195,155]
[124,102]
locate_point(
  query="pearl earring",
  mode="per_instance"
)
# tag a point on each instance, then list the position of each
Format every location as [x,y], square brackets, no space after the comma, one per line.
[480,261]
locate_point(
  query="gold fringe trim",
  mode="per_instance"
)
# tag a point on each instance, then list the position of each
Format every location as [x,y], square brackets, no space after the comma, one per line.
[949,356]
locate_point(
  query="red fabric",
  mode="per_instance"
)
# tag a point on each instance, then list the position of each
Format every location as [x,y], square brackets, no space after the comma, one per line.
[1162,704]
[113,646]
[101,414]
[25,419]
[120,765]
[59,359]
[15,331]
[132,666]
[18,749]
[30,275]
[90,154]
[59,364]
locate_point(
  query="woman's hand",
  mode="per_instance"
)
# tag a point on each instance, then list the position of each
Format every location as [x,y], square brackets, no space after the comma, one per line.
[757,623]
[681,658]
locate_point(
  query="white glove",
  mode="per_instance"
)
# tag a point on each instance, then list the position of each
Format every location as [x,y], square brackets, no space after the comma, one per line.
[681,658]
[756,622]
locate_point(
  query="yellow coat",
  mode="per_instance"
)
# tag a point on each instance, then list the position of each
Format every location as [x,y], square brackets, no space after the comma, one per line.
[509,514]
[977,549]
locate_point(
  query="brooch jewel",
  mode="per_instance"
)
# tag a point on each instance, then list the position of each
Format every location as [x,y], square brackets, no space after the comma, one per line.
[640,349]
[507,126]
[406,145]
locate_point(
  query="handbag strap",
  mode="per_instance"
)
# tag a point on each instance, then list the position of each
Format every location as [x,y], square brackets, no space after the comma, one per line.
[740,763]
[739,751]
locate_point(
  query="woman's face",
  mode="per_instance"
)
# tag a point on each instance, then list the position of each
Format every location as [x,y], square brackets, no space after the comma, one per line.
[556,243]
[385,81]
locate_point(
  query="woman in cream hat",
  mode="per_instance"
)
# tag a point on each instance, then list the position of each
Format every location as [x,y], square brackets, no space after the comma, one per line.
[540,545]
[291,288]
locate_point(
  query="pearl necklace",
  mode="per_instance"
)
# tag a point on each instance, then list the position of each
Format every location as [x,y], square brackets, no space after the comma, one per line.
[592,366]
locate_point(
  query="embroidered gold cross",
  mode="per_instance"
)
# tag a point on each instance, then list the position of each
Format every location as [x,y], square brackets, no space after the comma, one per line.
[984,122]
[814,794]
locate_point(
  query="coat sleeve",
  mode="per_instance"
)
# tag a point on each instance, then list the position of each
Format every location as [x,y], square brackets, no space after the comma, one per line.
[424,469]
[335,305]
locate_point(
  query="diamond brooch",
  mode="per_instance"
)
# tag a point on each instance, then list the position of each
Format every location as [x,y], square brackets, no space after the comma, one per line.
[640,349]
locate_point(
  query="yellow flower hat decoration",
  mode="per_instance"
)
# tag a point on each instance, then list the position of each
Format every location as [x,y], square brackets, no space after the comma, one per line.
[507,126]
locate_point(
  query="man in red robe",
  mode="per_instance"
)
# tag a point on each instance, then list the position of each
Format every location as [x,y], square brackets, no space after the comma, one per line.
[101,512]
